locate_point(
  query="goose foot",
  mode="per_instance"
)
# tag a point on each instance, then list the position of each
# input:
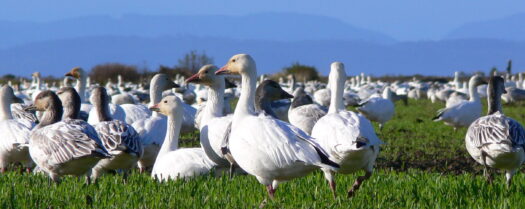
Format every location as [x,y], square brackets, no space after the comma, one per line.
[332,187]
[263,203]
[358,183]
[271,191]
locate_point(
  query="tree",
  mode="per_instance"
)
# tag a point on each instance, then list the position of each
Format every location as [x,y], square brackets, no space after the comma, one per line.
[302,72]
[101,73]
[193,61]
[171,72]
[509,67]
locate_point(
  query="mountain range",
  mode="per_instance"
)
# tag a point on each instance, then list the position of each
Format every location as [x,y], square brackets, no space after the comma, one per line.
[274,39]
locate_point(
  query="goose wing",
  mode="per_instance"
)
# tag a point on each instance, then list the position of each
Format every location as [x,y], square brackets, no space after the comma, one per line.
[119,136]
[495,129]
[62,142]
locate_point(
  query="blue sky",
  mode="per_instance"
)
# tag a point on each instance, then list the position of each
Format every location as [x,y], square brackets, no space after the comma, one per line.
[405,20]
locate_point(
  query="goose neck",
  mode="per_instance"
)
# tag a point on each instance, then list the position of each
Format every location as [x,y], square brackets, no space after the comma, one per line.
[493,101]
[52,114]
[473,93]
[5,110]
[155,94]
[215,103]
[336,96]
[102,109]
[81,87]
[171,141]
[245,105]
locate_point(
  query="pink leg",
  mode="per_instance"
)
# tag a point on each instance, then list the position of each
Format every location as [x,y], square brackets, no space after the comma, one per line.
[358,183]
[332,187]
[271,191]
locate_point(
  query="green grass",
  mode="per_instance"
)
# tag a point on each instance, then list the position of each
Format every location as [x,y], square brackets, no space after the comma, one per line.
[422,165]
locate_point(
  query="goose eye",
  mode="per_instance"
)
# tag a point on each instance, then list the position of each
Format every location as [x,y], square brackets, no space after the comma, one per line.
[233,60]
[206,71]
[166,101]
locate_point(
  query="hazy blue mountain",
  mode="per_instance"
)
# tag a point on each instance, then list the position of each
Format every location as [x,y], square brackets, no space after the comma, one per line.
[508,28]
[267,26]
[430,58]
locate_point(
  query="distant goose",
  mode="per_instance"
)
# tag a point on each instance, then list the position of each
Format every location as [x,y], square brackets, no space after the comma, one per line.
[62,147]
[269,149]
[464,113]
[349,138]
[14,133]
[304,113]
[495,140]
[378,108]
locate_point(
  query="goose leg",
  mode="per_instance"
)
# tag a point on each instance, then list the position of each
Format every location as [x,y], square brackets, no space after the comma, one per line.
[509,174]
[232,169]
[358,183]
[486,171]
[329,175]
[271,191]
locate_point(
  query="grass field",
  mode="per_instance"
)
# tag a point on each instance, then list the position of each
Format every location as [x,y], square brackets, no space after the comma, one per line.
[422,165]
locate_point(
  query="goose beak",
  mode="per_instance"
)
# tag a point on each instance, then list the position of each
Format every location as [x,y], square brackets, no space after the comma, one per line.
[223,70]
[194,78]
[155,108]
[285,95]
[504,91]
[30,108]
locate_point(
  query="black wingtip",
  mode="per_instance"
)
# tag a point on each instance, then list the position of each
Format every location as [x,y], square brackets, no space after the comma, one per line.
[325,159]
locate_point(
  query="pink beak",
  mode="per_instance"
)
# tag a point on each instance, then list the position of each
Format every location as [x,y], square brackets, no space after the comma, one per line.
[192,78]
[223,70]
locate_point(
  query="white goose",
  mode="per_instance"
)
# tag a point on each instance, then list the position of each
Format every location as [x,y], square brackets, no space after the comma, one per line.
[173,163]
[349,138]
[61,147]
[213,124]
[304,113]
[14,133]
[119,138]
[152,130]
[378,108]
[495,140]
[270,149]
[463,113]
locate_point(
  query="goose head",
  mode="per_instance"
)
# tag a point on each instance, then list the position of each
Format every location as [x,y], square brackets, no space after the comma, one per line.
[76,73]
[35,75]
[337,73]
[50,104]
[8,95]
[162,82]
[99,96]
[205,76]
[476,80]
[238,64]
[169,106]
[71,102]
[271,91]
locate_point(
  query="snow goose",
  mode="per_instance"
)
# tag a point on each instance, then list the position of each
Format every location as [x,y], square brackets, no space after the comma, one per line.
[81,76]
[119,138]
[213,124]
[14,133]
[269,149]
[304,113]
[152,130]
[463,113]
[59,147]
[349,138]
[378,108]
[495,140]
[266,94]
[173,163]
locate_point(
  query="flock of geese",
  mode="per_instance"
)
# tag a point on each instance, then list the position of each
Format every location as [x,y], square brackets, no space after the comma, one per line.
[278,131]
